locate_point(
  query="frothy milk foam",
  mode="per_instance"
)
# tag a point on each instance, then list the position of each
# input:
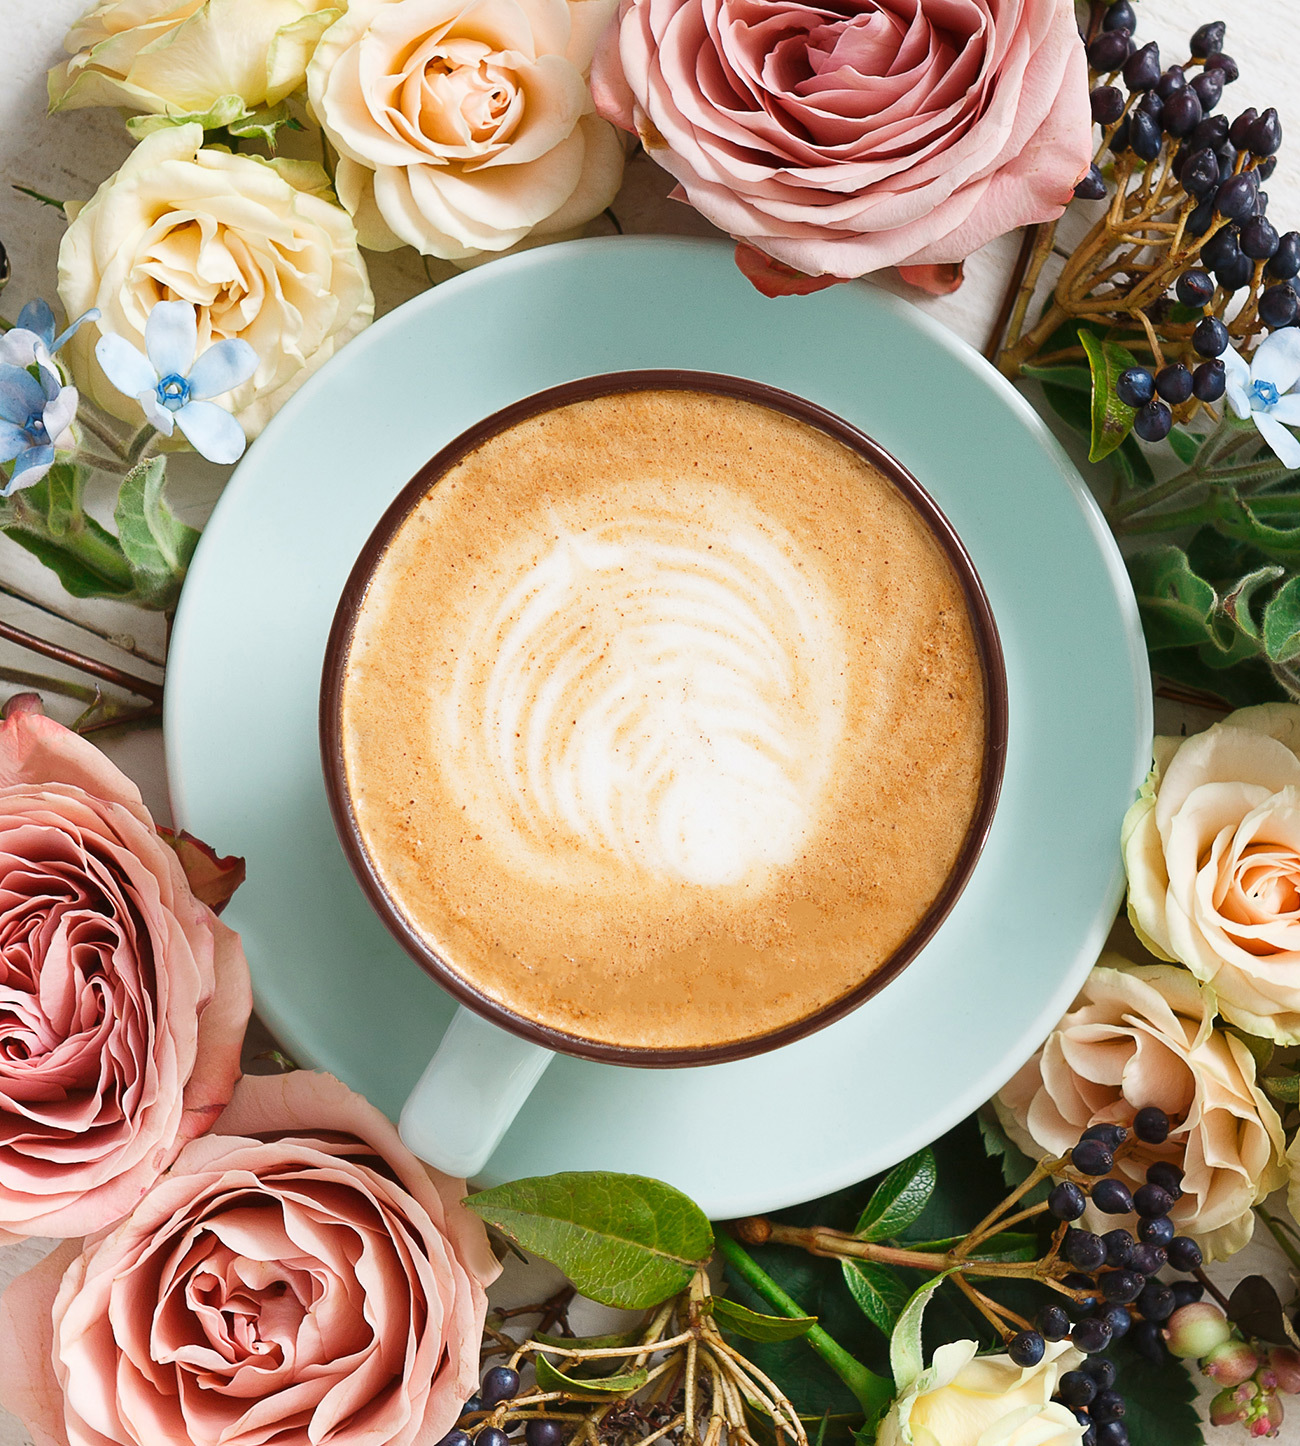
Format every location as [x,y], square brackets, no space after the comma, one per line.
[663,719]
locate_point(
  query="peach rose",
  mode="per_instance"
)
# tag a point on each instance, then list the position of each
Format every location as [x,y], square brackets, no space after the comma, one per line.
[842,140]
[123,999]
[1144,1035]
[1212,849]
[464,126]
[297,1277]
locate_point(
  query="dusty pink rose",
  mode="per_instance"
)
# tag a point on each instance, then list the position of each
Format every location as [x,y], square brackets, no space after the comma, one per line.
[297,1277]
[123,999]
[841,139]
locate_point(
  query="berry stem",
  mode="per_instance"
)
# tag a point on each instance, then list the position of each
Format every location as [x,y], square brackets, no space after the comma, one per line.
[1274,1227]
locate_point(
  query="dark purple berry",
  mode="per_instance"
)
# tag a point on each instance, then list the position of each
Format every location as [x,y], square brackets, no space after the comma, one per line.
[1112,1136]
[1210,381]
[1278,306]
[1266,168]
[1091,1335]
[1144,135]
[541,1432]
[1223,65]
[1156,1301]
[1119,1248]
[1026,1349]
[1235,272]
[1101,1372]
[1112,1433]
[1286,259]
[1117,1317]
[1259,239]
[1151,104]
[1083,1250]
[1227,162]
[1067,1201]
[1088,1300]
[1089,1437]
[1152,1200]
[1212,132]
[1200,174]
[1185,1254]
[1148,1259]
[1194,288]
[1222,246]
[455,1438]
[499,1384]
[1201,218]
[1076,1388]
[1208,38]
[1109,51]
[1107,103]
[1182,112]
[1265,135]
[1053,1323]
[1135,387]
[1235,198]
[1209,89]
[1092,187]
[1107,1406]
[1119,141]
[1120,17]
[475,1403]
[1151,1125]
[1174,385]
[1112,1197]
[1173,79]
[1156,1231]
[492,1436]
[1149,1342]
[1186,1292]
[1240,128]
[1091,1157]
[1153,422]
[1142,68]
[1121,1287]
[1261,200]
[1168,1176]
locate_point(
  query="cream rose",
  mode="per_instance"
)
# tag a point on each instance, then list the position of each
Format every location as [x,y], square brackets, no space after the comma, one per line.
[169,57]
[1212,849]
[970,1400]
[464,126]
[1144,1035]
[259,247]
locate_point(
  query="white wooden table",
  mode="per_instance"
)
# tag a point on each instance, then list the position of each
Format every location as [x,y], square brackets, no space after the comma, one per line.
[68,156]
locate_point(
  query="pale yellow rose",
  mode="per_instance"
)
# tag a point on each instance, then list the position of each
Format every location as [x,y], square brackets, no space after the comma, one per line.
[1212,849]
[1141,1035]
[969,1400]
[465,126]
[176,57]
[259,247]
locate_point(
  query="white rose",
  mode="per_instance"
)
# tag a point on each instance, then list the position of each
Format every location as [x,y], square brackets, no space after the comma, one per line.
[259,247]
[1212,849]
[170,57]
[969,1400]
[464,126]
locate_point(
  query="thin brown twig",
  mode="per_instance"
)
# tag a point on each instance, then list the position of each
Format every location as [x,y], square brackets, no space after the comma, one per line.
[141,687]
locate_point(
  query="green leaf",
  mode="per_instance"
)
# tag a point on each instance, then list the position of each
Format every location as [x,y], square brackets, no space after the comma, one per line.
[1185,445]
[1071,407]
[1132,463]
[878,1290]
[1072,379]
[755,1326]
[623,1240]
[56,498]
[1237,519]
[1239,603]
[1015,1165]
[1240,686]
[1176,605]
[899,1198]
[1160,1400]
[549,1379]
[1281,630]
[906,1355]
[1284,1088]
[263,125]
[1006,1245]
[590,1343]
[1112,420]
[221,112]
[77,578]
[158,546]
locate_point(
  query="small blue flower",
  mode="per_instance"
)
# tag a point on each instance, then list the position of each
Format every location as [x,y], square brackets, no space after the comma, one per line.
[1263,392]
[172,387]
[35,415]
[32,341]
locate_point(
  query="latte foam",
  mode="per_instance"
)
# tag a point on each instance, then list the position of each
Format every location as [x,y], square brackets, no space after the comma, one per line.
[663,719]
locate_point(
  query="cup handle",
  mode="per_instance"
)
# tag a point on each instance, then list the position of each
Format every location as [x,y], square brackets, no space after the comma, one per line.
[469,1094]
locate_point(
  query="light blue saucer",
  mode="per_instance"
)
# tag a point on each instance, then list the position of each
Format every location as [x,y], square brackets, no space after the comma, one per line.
[246,660]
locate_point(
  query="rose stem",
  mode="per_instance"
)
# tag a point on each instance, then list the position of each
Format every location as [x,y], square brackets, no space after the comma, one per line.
[122,720]
[1275,1230]
[1211,1287]
[994,343]
[37,682]
[873,1392]
[139,686]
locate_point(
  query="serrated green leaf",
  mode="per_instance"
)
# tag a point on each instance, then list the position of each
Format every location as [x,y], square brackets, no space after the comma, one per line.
[1284,1087]
[906,1355]
[157,546]
[624,1240]
[549,1379]
[754,1326]
[1112,420]
[878,1291]
[1160,1400]
[899,1198]
[1185,445]
[1177,606]
[1281,630]
[78,580]
[1015,1165]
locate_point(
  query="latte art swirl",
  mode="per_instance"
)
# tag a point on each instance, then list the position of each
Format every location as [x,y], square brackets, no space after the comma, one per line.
[655,693]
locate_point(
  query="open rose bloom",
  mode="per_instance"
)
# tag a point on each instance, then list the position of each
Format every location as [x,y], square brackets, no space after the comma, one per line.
[1144,1035]
[297,1277]
[123,999]
[1212,849]
[839,140]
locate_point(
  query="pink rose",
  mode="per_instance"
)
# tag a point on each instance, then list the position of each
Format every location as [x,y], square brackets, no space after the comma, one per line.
[841,140]
[123,999]
[297,1277]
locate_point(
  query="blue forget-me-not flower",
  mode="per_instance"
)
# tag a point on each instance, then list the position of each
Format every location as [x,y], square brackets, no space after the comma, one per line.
[36,408]
[1263,392]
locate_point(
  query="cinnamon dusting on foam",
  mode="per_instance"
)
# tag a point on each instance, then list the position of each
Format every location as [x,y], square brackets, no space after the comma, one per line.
[664,719]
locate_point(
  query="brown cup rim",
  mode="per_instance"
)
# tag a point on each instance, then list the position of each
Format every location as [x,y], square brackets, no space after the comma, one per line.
[988,647]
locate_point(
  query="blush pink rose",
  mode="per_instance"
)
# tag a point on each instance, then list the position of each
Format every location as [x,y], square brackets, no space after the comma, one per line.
[840,140]
[297,1277]
[123,999]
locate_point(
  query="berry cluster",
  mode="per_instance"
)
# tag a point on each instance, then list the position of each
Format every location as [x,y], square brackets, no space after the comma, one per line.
[501,1384]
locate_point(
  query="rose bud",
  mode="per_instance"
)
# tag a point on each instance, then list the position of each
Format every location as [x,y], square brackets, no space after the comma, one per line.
[1231,1363]
[1232,1405]
[1284,1366]
[1197,1329]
